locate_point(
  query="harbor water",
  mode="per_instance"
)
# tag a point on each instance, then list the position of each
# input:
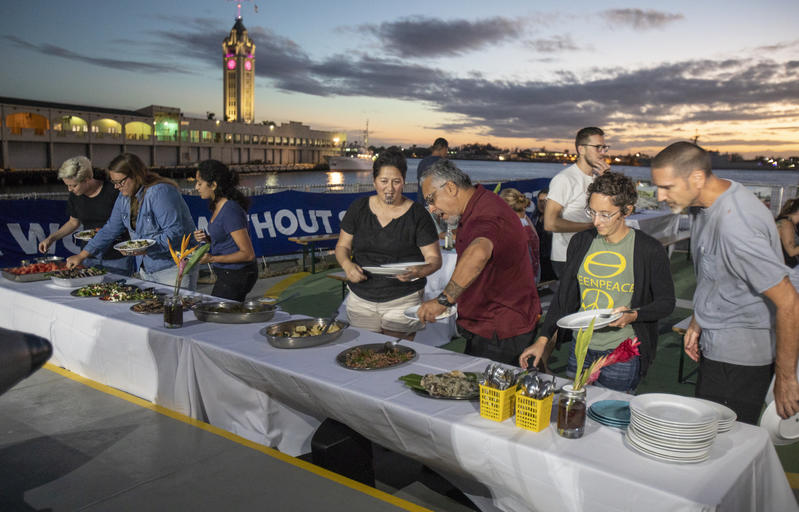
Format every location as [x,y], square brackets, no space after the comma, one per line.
[478,170]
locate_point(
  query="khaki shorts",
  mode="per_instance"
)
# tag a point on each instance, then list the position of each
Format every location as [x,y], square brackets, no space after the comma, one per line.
[383,316]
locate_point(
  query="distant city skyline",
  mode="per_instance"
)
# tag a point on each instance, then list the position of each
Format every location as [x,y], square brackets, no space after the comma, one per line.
[509,73]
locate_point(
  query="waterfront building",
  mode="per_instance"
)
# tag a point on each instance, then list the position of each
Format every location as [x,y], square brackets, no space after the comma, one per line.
[41,135]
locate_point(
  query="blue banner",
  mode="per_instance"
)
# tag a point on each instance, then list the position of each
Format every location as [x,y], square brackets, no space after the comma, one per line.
[274,218]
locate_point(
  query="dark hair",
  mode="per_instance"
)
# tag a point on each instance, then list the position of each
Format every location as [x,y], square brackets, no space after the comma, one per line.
[584,134]
[132,167]
[544,190]
[683,158]
[214,171]
[618,187]
[392,157]
[790,206]
[440,143]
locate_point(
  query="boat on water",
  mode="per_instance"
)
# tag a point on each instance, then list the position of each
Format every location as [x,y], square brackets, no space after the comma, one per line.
[355,157]
[357,162]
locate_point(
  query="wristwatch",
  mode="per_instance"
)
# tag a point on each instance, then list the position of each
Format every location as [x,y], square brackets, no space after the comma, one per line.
[444,301]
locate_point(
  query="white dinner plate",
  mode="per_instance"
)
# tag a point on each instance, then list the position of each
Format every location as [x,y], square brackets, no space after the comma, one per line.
[405,265]
[727,416]
[385,271]
[581,319]
[781,431]
[411,313]
[679,411]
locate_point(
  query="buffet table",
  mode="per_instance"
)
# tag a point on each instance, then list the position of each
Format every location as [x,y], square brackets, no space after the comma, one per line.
[659,224]
[230,376]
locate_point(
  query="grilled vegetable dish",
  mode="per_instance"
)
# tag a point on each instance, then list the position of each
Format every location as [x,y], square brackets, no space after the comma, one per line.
[369,358]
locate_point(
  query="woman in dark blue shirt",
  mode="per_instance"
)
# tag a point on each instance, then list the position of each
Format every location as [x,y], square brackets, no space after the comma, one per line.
[231,254]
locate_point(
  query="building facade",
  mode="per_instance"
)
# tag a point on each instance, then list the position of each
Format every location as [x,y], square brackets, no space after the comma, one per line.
[41,135]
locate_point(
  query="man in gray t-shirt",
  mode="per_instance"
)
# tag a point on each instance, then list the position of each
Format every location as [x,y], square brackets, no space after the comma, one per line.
[746,309]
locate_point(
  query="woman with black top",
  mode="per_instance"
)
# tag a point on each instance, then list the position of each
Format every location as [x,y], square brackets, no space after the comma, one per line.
[231,254]
[381,229]
[89,204]
[787,227]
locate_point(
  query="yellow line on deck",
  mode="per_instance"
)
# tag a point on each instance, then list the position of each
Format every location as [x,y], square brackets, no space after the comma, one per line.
[793,480]
[352,484]
[280,287]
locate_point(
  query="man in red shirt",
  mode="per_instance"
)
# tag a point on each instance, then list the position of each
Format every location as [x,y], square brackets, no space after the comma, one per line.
[498,305]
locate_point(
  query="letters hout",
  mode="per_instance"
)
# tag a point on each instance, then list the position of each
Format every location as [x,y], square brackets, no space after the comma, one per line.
[287,222]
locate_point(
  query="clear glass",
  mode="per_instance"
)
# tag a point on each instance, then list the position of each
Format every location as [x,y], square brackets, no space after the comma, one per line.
[173,312]
[571,412]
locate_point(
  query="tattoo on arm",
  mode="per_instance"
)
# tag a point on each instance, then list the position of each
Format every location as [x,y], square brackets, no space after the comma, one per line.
[453,290]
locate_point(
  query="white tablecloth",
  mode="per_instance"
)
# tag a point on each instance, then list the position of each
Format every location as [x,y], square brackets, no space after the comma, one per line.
[229,375]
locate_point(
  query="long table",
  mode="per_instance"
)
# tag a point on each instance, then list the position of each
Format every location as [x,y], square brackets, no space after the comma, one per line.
[228,375]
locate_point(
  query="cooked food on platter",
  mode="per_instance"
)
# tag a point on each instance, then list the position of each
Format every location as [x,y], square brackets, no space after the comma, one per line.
[303,333]
[303,330]
[100,289]
[156,305]
[454,385]
[130,294]
[375,356]
[78,276]
[39,271]
[78,272]
[86,234]
[36,268]
[134,247]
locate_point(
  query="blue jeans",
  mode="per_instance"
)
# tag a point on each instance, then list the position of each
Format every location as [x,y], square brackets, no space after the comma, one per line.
[169,275]
[622,377]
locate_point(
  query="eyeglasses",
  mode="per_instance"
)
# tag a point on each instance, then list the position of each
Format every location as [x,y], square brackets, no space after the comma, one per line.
[602,216]
[430,198]
[120,182]
[599,147]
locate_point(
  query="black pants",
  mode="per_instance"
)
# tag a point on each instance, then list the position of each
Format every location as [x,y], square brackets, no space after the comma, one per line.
[741,388]
[505,350]
[235,284]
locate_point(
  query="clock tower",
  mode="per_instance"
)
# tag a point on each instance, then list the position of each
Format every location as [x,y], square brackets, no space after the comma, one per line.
[238,72]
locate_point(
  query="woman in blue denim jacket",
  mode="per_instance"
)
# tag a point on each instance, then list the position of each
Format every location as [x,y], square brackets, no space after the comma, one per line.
[148,206]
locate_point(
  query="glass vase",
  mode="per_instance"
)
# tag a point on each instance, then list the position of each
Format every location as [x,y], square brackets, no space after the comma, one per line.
[571,412]
[173,312]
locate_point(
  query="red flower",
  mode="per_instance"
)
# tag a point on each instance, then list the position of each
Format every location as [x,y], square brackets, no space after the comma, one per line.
[626,350]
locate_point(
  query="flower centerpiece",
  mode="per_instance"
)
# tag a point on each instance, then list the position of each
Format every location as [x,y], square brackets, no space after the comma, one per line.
[572,403]
[182,260]
[185,259]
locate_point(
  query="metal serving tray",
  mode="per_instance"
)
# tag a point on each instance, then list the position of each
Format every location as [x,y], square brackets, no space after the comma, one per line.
[273,333]
[248,312]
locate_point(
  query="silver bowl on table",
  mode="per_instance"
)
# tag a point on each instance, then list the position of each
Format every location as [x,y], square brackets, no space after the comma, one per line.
[275,333]
[251,311]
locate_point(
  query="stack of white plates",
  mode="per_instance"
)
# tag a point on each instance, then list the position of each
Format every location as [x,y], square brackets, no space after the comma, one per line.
[671,427]
[727,416]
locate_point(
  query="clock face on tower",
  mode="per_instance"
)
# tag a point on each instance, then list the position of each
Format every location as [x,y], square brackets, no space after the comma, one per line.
[231,64]
[248,65]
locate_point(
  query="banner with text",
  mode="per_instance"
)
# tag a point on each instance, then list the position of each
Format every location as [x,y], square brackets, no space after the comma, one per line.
[274,218]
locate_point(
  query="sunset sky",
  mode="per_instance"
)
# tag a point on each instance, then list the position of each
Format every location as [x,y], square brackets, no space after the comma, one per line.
[513,73]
